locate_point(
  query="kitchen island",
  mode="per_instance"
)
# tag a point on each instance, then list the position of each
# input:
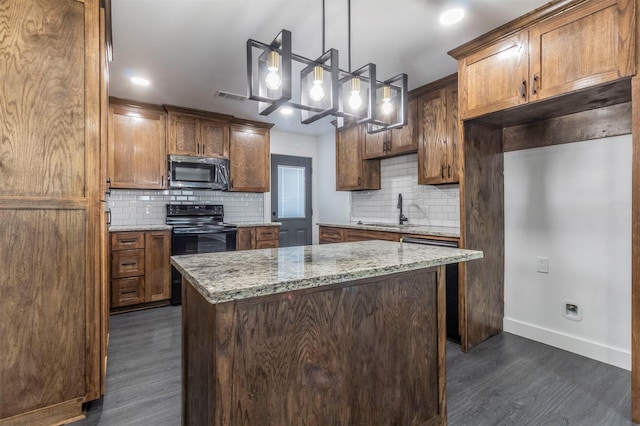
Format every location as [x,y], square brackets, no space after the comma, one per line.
[339,334]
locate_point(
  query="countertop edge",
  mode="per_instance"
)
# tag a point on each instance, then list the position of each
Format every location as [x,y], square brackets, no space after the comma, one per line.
[319,281]
[410,230]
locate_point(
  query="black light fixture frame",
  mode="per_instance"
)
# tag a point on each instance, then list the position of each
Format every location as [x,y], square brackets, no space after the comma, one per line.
[282,45]
[401,85]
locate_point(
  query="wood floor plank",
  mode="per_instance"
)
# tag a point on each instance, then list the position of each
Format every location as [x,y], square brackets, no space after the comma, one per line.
[507,380]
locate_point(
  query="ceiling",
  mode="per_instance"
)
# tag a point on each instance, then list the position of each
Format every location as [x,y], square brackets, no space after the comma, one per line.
[191,49]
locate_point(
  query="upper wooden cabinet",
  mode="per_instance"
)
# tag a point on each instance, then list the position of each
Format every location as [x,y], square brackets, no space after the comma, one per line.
[438,136]
[249,156]
[352,171]
[136,145]
[567,47]
[394,142]
[197,133]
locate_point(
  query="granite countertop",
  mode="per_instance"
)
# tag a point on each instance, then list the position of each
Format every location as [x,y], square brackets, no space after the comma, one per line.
[437,231]
[246,225]
[126,228]
[227,276]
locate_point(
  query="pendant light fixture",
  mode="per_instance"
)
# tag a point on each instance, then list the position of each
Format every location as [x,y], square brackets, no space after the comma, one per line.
[277,77]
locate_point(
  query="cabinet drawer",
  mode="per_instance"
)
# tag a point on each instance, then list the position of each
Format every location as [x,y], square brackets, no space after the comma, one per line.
[127,263]
[127,291]
[353,235]
[267,244]
[127,240]
[331,235]
[267,233]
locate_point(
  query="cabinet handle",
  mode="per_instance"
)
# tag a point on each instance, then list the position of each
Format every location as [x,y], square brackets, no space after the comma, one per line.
[129,264]
[442,172]
[131,241]
[198,148]
[523,88]
[359,181]
[162,179]
[108,191]
[108,217]
[230,183]
[534,79]
[449,170]
[202,149]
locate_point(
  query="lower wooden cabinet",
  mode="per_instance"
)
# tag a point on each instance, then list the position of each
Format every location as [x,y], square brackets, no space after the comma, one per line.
[348,235]
[258,237]
[140,267]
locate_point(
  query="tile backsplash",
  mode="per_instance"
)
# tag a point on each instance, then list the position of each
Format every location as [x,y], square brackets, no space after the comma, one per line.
[146,207]
[434,205]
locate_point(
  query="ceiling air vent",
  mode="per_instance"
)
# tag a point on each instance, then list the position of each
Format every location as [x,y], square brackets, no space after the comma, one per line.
[232,96]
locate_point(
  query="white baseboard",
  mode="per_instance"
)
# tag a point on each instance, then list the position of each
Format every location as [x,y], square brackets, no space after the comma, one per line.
[607,354]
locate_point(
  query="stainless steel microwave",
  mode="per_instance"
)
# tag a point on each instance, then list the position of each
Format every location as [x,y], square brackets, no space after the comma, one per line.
[198,172]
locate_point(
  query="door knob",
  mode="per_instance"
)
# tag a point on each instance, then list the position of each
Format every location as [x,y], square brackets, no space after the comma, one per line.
[273,213]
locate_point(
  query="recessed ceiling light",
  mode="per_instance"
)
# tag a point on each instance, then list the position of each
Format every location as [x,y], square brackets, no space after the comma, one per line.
[286,111]
[140,81]
[451,16]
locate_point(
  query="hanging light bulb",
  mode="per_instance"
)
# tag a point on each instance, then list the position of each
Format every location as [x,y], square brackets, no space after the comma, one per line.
[355,100]
[317,92]
[387,106]
[272,80]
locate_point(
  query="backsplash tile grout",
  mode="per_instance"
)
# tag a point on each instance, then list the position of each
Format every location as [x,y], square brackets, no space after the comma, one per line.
[147,207]
[434,205]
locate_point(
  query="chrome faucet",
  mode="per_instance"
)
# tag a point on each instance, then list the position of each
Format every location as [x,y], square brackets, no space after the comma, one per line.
[403,218]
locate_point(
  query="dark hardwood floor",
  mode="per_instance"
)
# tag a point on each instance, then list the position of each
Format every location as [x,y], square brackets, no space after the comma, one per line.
[507,380]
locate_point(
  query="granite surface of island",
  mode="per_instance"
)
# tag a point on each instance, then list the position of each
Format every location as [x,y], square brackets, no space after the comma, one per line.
[222,277]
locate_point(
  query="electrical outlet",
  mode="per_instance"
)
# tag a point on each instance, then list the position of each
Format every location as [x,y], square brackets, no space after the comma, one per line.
[543,265]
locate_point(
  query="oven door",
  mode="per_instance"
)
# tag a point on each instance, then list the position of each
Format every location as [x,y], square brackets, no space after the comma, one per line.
[196,243]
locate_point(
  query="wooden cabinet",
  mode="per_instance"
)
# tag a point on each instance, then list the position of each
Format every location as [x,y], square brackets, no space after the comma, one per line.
[140,267]
[352,171]
[549,58]
[330,234]
[136,150]
[249,156]
[258,237]
[197,133]
[438,137]
[50,177]
[394,142]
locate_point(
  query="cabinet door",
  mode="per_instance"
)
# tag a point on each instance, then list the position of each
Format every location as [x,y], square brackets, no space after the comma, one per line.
[376,144]
[566,54]
[249,157]
[245,238]
[136,148]
[213,138]
[404,140]
[183,135]
[157,266]
[453,155]
[433,134]
[494,78]
[348,159]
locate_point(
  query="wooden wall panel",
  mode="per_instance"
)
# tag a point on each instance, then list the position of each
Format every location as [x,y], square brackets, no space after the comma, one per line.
[42,152]
[598,123]
[339,356]
[482,228]
[635,256]
[42,308]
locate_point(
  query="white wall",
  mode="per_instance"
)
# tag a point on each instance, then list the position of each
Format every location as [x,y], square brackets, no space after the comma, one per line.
[298,146]
[572,204]
[333,206]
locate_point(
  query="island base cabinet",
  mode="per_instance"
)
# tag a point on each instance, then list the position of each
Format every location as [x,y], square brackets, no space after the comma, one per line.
[369,352]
